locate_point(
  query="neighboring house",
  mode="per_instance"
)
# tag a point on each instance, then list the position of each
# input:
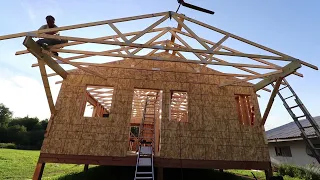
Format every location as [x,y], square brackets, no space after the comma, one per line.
[286,146]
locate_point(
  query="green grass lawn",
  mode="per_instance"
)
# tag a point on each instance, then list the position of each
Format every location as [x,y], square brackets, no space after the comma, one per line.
[20,164]
[258,174]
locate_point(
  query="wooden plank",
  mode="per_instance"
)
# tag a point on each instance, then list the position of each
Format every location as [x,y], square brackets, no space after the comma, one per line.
[232,50]
[91,99]
[85,56]
[271,100]
[260,60]
[247,41]
[46,86]
[216,46]
[151,40]
[38,171]
[250,78]
[160,58]
[75,65]
[36,50]
[100,38]
[244,110]
[149,28]
[16,35]
[185,44]
[191,32]
[173,37]
[240,114]
[163,48]
[118,32]
[286,70]
[178,71]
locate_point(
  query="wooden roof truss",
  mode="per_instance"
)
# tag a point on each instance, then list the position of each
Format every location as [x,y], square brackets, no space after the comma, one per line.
[126,45]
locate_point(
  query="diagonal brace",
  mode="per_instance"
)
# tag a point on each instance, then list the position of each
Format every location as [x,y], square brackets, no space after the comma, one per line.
[286,70]
[269,105]
[36,50]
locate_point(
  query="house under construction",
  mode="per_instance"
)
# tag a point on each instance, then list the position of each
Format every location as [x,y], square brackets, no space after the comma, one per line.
[171,99]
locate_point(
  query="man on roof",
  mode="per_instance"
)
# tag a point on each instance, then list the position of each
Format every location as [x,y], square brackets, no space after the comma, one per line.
[50,42]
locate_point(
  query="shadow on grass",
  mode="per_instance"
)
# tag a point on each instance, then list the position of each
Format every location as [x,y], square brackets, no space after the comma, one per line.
[127,173]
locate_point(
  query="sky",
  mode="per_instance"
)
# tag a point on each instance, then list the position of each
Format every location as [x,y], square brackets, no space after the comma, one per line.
[289,26]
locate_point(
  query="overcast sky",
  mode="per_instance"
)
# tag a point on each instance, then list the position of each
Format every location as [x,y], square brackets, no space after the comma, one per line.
[289,26]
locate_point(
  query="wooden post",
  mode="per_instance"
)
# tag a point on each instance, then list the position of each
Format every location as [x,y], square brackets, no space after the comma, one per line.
[86,168]
[268,172]
[38,171]
[160,173]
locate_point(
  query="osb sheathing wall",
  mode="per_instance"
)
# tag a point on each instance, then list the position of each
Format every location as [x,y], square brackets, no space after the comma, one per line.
[213,131]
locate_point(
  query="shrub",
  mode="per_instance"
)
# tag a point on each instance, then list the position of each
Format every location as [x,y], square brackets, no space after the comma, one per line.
[298,172]
[8,145]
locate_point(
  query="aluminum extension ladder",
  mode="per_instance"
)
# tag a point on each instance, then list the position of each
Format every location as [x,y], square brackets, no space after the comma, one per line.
[144,166]
[313,124]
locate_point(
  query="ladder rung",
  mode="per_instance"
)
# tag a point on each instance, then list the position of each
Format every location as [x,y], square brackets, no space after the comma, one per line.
[307,127]
[283,88]
[144,172]
[144,178]
[301,116]
[289,97]
[294,106]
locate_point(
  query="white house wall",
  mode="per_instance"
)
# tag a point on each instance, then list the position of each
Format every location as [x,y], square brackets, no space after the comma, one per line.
[298,151]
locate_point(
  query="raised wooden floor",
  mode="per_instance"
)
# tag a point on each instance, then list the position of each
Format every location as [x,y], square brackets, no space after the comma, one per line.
[159,162]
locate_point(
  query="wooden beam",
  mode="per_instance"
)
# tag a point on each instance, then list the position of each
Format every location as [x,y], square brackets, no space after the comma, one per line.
[286,70]
[234,51]
[269,105]
[85,56]
[100,38]
[75,65]
[162,47]
[10,36]
[250,78]
[151,40]
[91,99]
[191,32]
[38,171]
[185,44]
[36,50]
[246,41]
[149,28]
[46,86]
[118,32]
[216,46]
[160,58]
[137,68]
[173,37]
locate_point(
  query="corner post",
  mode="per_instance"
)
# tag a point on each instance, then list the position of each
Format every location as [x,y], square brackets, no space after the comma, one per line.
[38,171]
[86,167]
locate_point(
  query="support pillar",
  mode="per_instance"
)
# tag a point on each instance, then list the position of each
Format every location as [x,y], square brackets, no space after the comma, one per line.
[86,167]
[268,172]
[38,171]
[220,170]
[160,173]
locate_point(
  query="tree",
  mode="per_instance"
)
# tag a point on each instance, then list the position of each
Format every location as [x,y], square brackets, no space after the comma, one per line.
[17,134]
[29,123]
[5,115]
